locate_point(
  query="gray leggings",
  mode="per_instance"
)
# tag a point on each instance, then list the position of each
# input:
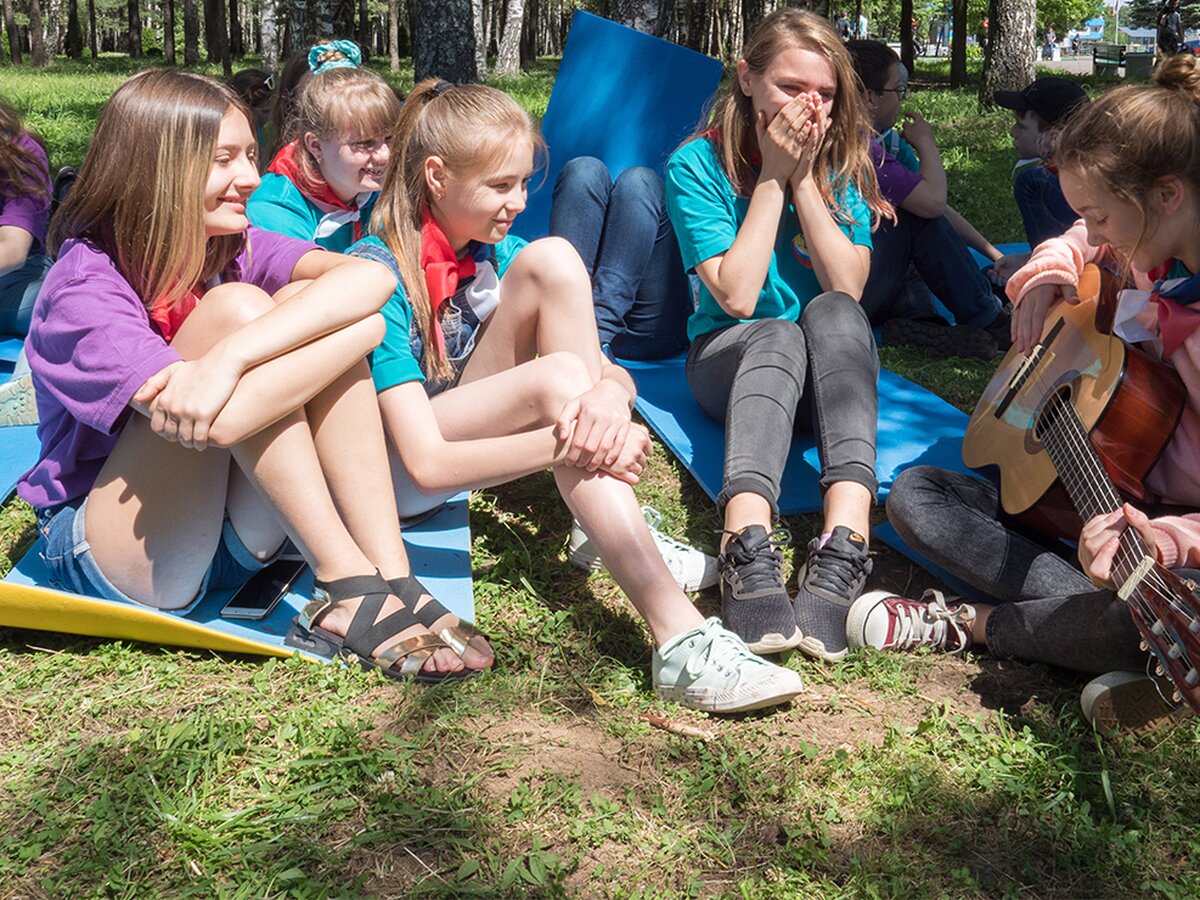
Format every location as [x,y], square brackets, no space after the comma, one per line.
[754,377]
[1047,610]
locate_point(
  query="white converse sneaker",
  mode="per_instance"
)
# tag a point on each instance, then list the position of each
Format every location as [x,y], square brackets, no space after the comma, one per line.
[710,669]
[18,405]
[884,621]
[692,569]
[1131,703]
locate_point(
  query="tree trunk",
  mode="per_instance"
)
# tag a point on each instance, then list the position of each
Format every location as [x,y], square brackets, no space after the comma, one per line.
[14,36]
[1012,43]
[443,40]
[394,35]
[364,25]
[270,36]
[908,54]
[527,51]
[298,32]
[217,35]
[93,40]
[37,39]
[73,45]
[168,32]
[508,60]
[479,17]
[237,47]
[191,33]
[958,45]
[656,17]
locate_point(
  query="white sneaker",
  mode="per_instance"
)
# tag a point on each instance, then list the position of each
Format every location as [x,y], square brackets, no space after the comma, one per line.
[1131,703]
[18,405]
[692,569]
[710,669]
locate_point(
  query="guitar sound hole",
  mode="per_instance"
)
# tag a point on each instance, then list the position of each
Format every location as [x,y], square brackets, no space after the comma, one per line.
[1050,414]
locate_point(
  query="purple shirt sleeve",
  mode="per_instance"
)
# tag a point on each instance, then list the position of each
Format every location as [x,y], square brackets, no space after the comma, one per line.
[896,181]
[268,259]
[28,212]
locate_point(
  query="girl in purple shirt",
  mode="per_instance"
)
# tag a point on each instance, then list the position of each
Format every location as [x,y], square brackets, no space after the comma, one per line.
[24,208]
[203,393]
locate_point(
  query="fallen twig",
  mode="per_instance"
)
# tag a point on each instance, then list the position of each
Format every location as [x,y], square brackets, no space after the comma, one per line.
[682,728]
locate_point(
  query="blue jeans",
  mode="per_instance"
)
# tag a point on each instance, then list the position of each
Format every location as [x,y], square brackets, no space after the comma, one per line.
[621,231]
[766,378]
[73,568]
[18,290]
[1047,610]
[942,260]
[1044,210]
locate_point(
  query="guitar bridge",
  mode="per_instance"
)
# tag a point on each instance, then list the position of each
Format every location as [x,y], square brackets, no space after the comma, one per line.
[1039,355]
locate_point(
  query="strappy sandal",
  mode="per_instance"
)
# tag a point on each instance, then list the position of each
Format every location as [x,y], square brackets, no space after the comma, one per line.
[365,634]
[456,637]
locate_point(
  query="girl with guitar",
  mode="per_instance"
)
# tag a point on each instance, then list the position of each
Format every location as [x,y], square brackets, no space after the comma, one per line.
[1130,166]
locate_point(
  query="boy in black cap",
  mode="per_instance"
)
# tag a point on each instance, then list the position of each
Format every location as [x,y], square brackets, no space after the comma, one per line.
[1042,106]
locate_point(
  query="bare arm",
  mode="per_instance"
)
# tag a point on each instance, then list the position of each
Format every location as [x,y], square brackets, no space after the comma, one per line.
[972,237]
[839,264]
[927,199]
[15,244]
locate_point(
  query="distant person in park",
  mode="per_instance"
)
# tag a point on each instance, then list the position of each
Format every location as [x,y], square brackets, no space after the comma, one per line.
[491,369]
[1129,165]
[24,209]
[1170,29]
[923,236]
[204,394]
[772,203]
[256,89]
[1040,108]
[321,185]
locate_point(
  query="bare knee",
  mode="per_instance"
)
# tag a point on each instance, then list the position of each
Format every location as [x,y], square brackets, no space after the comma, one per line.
[225,309]
[552,265]
[563,376]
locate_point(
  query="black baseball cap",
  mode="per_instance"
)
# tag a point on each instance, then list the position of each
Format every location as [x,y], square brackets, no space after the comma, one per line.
[1051,98]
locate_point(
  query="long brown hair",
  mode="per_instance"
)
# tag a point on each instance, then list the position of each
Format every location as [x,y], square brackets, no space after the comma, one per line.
[471,127]
[1128,139]
[140,194]
[844,158]
[21,172]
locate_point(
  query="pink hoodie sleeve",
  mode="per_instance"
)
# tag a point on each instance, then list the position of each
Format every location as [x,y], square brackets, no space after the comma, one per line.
[1178,541]
[1056,261]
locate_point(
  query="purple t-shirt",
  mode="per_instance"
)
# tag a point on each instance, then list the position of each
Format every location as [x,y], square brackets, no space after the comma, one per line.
[25,211]
[91,345]
[896,181]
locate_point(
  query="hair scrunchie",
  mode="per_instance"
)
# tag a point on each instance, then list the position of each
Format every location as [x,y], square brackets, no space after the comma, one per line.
[334,55]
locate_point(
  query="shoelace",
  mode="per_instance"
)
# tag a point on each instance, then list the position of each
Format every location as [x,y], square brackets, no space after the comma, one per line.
[761,564]
[928,622]
[654,520]
[835,570]
[705,652]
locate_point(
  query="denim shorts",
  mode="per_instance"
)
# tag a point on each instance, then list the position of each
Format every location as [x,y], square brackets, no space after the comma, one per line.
[68,556]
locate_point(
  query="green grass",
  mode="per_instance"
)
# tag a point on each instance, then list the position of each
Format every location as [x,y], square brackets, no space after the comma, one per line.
[129,770]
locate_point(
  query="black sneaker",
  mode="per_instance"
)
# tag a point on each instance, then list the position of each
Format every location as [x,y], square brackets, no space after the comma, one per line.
[754,601]
[1000,328]
[939,340]
[1131,703]
[831,581]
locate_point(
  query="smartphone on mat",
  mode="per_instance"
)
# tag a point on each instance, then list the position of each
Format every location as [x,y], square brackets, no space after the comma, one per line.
[257,597]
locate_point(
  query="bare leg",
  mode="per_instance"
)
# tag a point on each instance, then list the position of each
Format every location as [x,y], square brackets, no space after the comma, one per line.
[744,510]
[848,503]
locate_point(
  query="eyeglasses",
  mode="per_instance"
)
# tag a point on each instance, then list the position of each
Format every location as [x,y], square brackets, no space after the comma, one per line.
[900,92]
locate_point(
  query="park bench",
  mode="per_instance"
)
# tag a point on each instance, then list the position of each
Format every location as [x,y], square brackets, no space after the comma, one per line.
[1107,58]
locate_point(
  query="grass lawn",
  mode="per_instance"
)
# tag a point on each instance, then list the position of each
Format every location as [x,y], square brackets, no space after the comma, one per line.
[130,770]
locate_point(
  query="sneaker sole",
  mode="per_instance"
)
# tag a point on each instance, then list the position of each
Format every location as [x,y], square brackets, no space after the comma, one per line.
[856,619]
[816,649]
[703,700]
[773,642]
[1131,707]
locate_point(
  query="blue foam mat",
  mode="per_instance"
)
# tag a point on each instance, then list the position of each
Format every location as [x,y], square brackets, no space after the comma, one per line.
[622,96]
[439,549]
[10,348]
[915,427]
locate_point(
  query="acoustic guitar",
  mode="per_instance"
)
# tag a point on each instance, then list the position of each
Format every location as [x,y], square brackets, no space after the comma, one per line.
[1085,416]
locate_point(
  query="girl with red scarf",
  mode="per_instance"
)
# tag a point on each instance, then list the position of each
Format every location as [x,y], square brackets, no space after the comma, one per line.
[321,185]
[491,369]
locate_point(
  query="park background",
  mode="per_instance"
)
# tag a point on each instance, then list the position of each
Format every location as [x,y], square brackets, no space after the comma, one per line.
[128,770]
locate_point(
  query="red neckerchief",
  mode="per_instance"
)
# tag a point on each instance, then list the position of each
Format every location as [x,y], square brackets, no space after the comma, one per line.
[319,192]
[753,156]
[1178,316]
[168,319]
[443,270]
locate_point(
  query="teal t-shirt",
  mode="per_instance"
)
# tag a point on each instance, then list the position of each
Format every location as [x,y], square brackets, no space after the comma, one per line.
[277,205]
[397,360]
[706,214]
[900,148]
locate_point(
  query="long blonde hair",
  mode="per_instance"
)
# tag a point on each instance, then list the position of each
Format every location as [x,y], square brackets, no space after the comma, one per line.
[140,194]
[1129,138]
[471,127]
[343,103]
[844,157]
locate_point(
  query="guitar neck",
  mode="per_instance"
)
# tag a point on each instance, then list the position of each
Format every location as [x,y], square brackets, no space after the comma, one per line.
[1087,483]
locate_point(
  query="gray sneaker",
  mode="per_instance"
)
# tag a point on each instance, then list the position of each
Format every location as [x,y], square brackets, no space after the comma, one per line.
[1131,703]
[832,579]
[18,404]
[754,600]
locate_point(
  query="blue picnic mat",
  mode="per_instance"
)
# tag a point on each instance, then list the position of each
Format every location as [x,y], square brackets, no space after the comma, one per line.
[622,96]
